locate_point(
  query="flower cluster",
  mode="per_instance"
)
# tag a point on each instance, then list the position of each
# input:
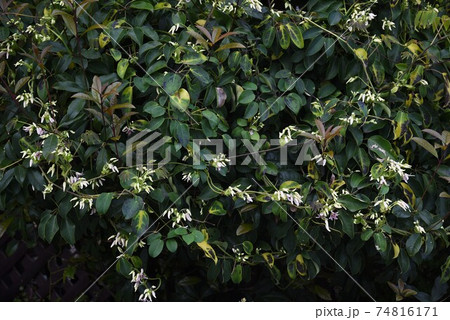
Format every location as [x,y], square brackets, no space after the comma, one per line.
[360,19]
[240,256]
[142,179]
[353,119]
[148,294]
[110,167]
[286,135]
[82,202]
[219,161]
[236,192]
[178,216]
[370,97]
[387,24]
[138,278]
[288,195]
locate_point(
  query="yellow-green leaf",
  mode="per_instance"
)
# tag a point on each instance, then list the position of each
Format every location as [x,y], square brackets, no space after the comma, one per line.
[269,258]
[232,45]
[103,40]
[140,222]
[296,35]
[68,20]
[206,247]
[122,67]
[244,228]
[426,145]
[396,250]
[361,54]
[180,99]
[401,124]
[409,194]
[300,265]
[284,37]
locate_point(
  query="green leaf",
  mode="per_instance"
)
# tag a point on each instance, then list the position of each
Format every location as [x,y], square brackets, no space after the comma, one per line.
[153,108]
[401,124]
[284,37]
[131,207]
[381,147]
[426,145]
[172,245]
[268,36]
[294,102]
[334,17]
[236,274]
[326,89]
[244,228]
[181,132]
[212,118]
[296,35]
[6,179]
[366,234]
[198,235]
[142,5]
[201,74]
[193,59]
[155,248]
[347,223]
[413,244]
[68,231]
[180,99]
[20,173]
[122,67]
[246,97]
[361,54]
[232,45]
[140,222]
[48,227]
[68,20]
[217,209]
[380,241]
[171,83]
[352,203]
[315,45]
[103,202]
[188,238]
[248,247]
[50,145]
[116,54]
[290,185]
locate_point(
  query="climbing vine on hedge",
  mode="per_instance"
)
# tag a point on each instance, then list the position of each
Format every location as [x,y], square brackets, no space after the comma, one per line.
[366,83]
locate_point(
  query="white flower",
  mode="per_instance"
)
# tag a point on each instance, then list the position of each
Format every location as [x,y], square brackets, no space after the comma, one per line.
[26,97]
[387,24]
[320,160]
[352,119]
[138,278]
[119,240]
[186,177]
[402,204]
[220,161]
[178,216]
[174,28]
[148,294]
[418,228]
[236,192]
[82,201]
[77,181]
[384,204]
[286,135]
[254,4]
[109,166]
